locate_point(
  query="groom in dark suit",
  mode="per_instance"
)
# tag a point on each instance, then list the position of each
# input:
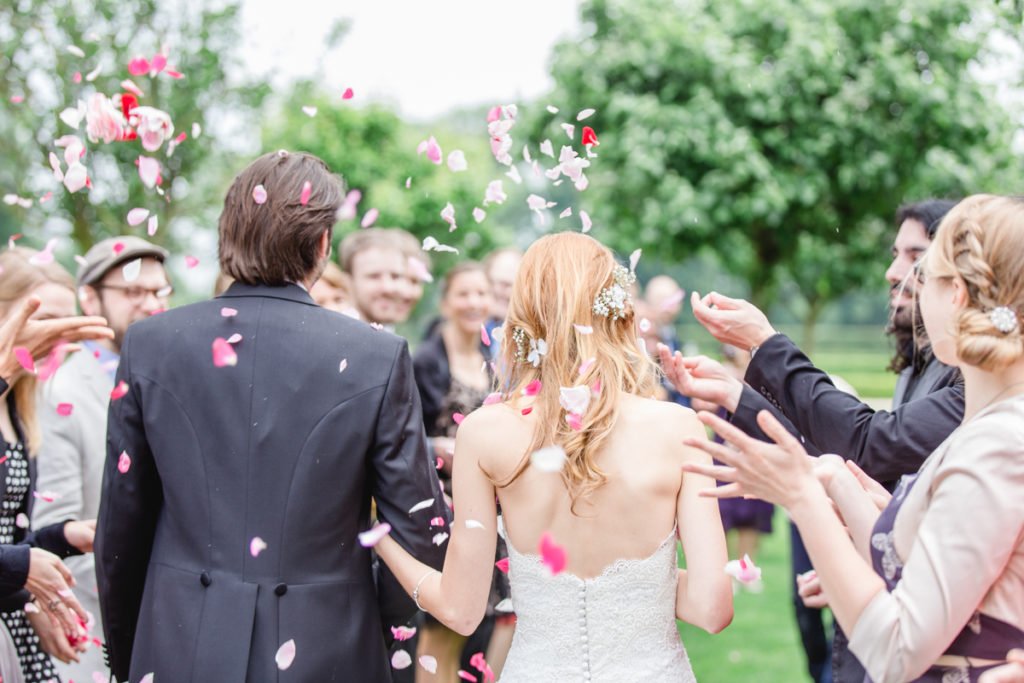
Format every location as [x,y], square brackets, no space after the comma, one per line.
[242,462]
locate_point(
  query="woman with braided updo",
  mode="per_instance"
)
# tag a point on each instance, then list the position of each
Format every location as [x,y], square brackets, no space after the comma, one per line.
[937,591]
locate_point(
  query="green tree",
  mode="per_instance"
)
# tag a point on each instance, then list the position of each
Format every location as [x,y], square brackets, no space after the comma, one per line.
[44,75]
[782,134]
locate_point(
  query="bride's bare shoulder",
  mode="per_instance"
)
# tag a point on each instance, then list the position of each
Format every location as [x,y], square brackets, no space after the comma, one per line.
[663,417]
[491,422]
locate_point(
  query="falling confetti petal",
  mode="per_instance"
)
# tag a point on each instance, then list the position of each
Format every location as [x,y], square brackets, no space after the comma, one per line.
[551,554]
[440,538]
[494,193]
[589,137]
[149,171]
[309,111]
[136,216]
[584,329]
[422,505]
[479,214]
[473,524]
[285,655]
[119,391]
[403,632]
[401,660]
[484,337]
[448,216]
[234,339]
[259,194]
[502,564]
[566,213]
[552,109]
[45,496]
[148,678]
[429,663]
[533,388]
[347,95]
[466,676]
[24,358]
[191,261]
[457,418]
[585,114]
[634,258]
[457,161]
[64,409]
[370,538]
[342,365]
[575,421]
[124,462]
[547,148]
[307,189]
[152,226]
[77,177]
[550,459]
[223,354]
[408,182]
[369,218]
[743,570]
[431,244]
[21,521]
[131,270]
[76,51]
[585,222]
[228,312]
[492,398]
[437,521]
[256,546]
[569,129]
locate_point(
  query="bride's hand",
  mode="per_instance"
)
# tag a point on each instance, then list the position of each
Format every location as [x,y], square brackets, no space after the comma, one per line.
[778,472]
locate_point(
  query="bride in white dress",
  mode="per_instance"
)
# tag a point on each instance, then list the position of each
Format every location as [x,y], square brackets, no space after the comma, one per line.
[574,376]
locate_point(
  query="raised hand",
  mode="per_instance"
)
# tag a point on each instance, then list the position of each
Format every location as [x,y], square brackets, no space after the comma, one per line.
[701,378]
[731,321]
[50,581]
[808,587]
[40,336]
[778,472]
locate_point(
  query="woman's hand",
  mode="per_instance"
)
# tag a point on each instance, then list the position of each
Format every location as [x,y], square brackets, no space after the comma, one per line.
[808,587]
[81,534]
[826,466]
[701,378]
[50,581]
[53,640]
[879,495]
[779,473]
[40,336]
[1012,672]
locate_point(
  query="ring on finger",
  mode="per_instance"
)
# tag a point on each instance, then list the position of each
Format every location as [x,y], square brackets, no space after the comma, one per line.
[54,604]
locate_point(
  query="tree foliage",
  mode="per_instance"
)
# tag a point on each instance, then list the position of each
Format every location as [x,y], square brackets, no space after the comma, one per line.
[782,134]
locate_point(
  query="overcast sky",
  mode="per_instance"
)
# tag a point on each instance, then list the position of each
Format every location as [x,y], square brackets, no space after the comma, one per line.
[424,57]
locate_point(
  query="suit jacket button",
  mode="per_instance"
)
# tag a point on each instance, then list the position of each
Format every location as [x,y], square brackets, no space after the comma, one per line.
[280,589]
[205,579]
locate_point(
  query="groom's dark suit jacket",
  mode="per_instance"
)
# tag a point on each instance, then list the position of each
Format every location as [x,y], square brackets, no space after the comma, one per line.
[286,446]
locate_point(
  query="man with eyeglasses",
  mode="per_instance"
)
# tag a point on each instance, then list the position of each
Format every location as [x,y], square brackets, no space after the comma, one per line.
[123,280]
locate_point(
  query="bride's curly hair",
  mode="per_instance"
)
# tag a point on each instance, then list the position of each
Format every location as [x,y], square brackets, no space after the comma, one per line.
[553,298]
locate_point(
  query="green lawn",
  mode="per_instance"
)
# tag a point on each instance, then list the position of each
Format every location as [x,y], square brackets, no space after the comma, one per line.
[762,644]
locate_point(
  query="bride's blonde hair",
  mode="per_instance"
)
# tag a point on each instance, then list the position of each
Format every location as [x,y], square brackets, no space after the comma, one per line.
[553,299]
[980,241]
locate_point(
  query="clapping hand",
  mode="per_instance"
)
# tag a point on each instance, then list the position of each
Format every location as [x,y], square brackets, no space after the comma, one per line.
[878,493]
[731,321]
[778,472]
[81,534]
[53,640]
[701,378]
[40,336]
[50,581]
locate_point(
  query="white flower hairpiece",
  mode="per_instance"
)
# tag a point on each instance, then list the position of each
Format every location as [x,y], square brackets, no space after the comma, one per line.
[612,301]
[1003,318]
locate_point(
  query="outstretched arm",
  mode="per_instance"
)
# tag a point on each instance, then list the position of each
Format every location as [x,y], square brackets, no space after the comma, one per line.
[704,595]
[458,596]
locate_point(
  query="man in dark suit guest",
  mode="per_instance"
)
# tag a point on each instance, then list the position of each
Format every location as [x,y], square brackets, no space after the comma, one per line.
[928,404]
[242,461]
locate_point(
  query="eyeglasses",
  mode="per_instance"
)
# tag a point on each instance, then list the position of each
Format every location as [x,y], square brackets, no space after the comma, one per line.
[137,295]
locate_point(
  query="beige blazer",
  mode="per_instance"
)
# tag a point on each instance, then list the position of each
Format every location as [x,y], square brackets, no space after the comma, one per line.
[70,464]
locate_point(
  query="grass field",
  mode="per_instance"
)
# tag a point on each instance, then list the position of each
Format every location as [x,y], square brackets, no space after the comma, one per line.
[762,644]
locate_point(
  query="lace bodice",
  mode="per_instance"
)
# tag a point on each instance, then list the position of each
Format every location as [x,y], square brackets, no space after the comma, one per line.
[618,626]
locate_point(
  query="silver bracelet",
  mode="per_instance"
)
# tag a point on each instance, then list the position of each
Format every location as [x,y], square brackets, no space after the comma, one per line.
[416,590]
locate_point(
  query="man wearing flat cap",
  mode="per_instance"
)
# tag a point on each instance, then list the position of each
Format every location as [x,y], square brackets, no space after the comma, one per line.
[122,279]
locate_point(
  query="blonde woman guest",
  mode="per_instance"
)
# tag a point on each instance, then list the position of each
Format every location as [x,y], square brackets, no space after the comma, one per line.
[936,592]
[30,561]
[606,609]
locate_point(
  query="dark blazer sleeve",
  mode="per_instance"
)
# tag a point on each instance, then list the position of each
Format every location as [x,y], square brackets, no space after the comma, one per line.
[433,378]
[745,418]
[886,445]
[129,505]
[3,385]
[404,475]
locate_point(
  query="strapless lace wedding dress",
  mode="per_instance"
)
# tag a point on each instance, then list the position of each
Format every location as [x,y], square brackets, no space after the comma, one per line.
[616,627]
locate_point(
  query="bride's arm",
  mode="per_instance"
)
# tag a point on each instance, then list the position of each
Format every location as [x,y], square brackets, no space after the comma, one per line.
[704,594]
[458,596]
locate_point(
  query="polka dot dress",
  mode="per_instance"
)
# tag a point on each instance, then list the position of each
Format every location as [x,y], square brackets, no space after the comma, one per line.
[36,665]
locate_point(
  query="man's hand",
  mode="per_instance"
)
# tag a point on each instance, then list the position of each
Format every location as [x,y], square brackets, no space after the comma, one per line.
[40,336]
[732,321]
[701,378]
[81,534]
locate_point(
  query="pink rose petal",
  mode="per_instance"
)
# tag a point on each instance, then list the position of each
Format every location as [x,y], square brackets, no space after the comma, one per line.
[64,409]
[118,247]
[370,538]
[45,496]
[137,215]
[457,161]
[437,521]
[403,632]
[148,678]
[575,421]
[551,554]
[502,564]
[152,226]
[158,64]
[466,676]
[21,521]
[429,663]
[448,216]
[743,570]
[457,418]
[256,546]
[259,194]
[492,398]
[369,218]
[25,358]
[533,388]
[223,354]
[484,337]
[227,312]
[307,189]
[119,391]
[149,171]
[348,94]
[479,214]
[191,261]
[130,86]
[76,177]
[124,462]
[285,655]
[138,66]
[401,660]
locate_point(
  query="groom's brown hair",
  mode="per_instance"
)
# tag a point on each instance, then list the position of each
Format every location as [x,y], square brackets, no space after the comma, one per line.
[277,240]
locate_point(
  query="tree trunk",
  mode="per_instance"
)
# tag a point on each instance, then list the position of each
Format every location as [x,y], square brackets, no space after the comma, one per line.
[815,307]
